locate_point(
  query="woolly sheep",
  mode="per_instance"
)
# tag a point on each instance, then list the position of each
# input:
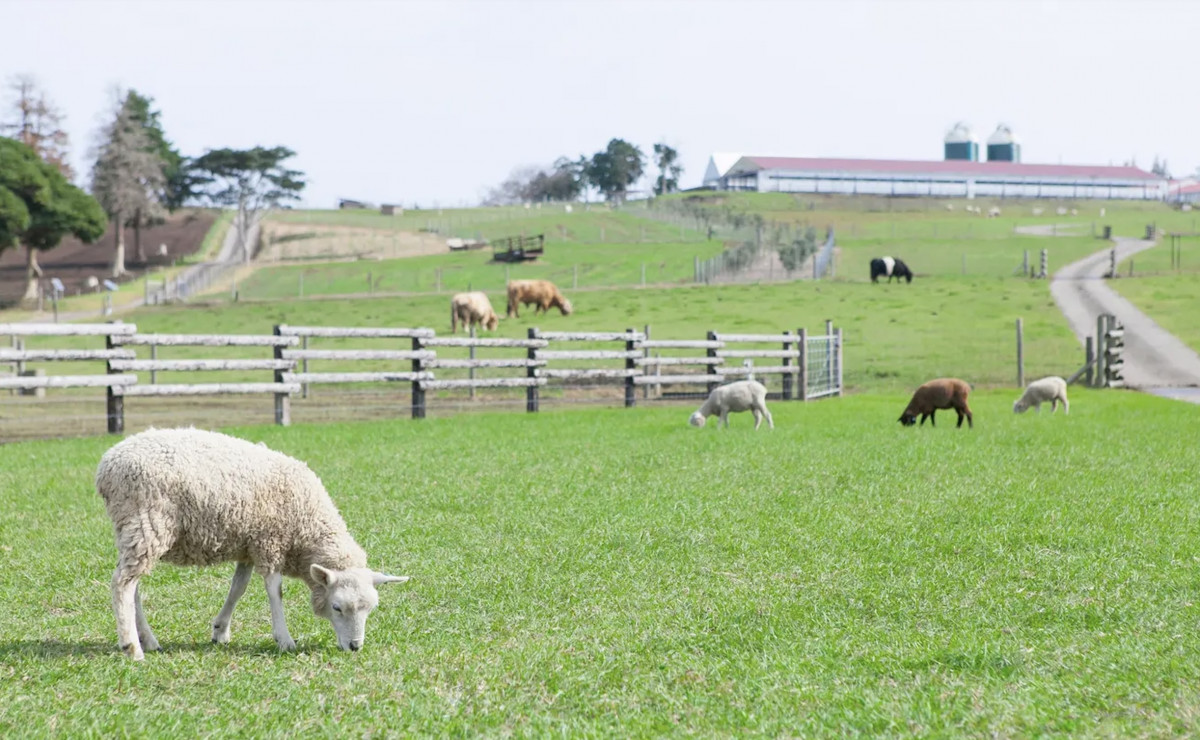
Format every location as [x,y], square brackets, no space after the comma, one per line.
[743,395]
[1052,389]
[993,212]
[470,309]
[191,497]
[942,393]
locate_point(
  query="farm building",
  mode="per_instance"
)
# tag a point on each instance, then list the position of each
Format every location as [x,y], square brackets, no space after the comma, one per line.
[1186,191]
[954,178]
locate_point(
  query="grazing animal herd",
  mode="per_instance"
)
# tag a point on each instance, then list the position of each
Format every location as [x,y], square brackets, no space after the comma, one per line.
[475,309]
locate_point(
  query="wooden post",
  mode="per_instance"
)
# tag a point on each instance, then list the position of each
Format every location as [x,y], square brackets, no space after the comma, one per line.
[115,404]
[829,350]
[787,362]
[802,391]
[1020,354]
[471,370]
[418,393]
[1089,354]
[1100,326]
[304,368]
[1045,271]
[153,356]
[531,392]
[1025,265]
[283,401]
[630,364]
[711,352]
[646,353]
[838,345]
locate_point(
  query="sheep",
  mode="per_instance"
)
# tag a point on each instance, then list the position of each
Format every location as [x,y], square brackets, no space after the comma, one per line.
[993,212]
[543,293]
[889,267]
[743,395]
[470,309]
[92,283]
[1061,211]
[949,206]
[1102,213]
[942,393]
[192,497]
[1038,211]
[1052,389]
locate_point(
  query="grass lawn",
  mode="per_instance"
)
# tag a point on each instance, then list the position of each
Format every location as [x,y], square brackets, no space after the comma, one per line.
[617,573]
[1171,300]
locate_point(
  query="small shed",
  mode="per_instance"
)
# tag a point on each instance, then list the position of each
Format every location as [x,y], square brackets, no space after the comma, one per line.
[391,209]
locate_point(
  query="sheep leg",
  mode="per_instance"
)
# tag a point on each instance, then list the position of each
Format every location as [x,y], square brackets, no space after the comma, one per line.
[221,625]
[770,421]
[1066,406]
[724,419]
[145,635]
[758,417]
[124,598]
[279,630]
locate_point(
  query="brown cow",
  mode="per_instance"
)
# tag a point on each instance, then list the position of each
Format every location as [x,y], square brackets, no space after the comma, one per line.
[542,293]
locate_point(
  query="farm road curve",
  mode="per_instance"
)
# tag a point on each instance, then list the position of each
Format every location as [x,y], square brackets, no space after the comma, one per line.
[1155,360]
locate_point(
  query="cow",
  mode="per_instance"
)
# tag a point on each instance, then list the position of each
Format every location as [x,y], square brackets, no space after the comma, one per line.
[470,309]
[889,267]
[543,294]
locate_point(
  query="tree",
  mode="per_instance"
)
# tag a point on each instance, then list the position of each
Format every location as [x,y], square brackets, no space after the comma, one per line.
[1160,168]
[127,177]
[613,170]
[666,159]
[38,207]
[253,180]
[181,183]
[37,123]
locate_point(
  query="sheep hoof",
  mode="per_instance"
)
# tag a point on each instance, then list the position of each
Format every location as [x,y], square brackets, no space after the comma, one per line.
[133,651]
[220,635]
[286,644]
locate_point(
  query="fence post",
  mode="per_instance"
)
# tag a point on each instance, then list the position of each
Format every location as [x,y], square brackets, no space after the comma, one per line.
[630,364]
[712,367]
[153,356]
[1020,354]
[802,391]
[1089,354]
[1025,265]
[418,393]
[471,370]
[696,269]
[787,362]
[838,343]
[304,368]
[115,404]
[645,353]
[283,401]
[531,391]
[829,351]
[1100,326]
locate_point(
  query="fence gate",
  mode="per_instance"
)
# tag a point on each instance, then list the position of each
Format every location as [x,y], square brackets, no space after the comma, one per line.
[821,373]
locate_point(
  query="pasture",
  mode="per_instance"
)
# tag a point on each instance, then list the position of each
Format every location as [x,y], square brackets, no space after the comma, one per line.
[618,573]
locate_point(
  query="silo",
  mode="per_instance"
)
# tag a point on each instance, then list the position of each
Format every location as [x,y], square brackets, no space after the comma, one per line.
[961,143]
[1002,146]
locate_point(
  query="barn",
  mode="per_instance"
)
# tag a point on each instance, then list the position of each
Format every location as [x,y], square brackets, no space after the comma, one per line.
[952,178]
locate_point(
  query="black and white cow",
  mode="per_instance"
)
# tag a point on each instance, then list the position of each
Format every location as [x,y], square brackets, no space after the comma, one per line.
[889,267]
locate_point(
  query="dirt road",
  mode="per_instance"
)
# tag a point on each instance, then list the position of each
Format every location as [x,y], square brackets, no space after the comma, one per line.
[1155,360]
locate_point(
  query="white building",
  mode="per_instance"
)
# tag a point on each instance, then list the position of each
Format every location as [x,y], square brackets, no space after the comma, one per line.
[946,179]
[718,164]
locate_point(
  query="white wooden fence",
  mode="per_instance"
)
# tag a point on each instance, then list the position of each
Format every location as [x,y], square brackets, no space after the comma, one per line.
[809,366]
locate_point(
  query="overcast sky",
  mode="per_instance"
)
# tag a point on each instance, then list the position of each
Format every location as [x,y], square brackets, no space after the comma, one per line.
[434,102]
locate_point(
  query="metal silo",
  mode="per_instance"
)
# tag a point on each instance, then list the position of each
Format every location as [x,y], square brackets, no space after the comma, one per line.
[961,143]
[1002,146]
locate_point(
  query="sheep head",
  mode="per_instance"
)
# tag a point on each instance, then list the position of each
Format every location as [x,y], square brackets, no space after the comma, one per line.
[908,419]
[565,306]
[1020,406]
[697,419]
[492,321]
[346,598]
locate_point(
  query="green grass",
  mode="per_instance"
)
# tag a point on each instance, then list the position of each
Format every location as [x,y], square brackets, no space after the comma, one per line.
[1171,300]
[617,573]
[590,265]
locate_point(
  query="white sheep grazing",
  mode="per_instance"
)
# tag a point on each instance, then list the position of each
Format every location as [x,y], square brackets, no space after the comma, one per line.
[1052,389]
[993,212]
[743,395]
[192,497]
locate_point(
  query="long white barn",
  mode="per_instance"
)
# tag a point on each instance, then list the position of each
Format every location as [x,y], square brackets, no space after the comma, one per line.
[945,179]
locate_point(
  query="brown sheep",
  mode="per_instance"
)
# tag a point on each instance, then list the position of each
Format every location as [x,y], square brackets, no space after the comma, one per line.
[943,393]
[542,293]
[470,309]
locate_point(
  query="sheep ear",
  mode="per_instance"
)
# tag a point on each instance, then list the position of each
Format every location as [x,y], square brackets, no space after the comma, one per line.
[379,579]
[321,575]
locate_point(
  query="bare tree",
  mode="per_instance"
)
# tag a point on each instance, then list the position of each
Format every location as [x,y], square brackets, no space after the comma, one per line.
[127,176]
[35,122]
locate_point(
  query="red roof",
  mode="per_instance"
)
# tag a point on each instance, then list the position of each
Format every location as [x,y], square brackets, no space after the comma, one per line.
[942,167]
[1187,189]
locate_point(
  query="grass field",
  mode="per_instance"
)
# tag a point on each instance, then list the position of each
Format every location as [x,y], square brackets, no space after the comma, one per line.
[617,573]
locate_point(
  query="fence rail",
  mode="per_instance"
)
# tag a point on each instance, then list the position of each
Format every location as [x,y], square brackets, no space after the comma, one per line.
[809,366]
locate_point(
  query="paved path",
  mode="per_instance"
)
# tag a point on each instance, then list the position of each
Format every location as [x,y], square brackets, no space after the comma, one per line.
[1155,360]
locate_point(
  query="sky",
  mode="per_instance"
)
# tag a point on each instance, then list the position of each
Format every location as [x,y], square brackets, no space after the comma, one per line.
[433,103]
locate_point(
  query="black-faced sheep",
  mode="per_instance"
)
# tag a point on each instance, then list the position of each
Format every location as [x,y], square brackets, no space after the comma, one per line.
[943,393]
[889,267]
[191,497]
[743,395]
[1052,389]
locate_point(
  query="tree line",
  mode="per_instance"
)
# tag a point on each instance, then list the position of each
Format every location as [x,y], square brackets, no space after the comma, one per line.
[610,172]
[137,178]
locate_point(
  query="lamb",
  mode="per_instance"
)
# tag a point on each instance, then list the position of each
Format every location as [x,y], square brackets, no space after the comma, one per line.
[470,309]
[942,393]
[191,497]
[743,395]
[543,293]
[1052,389]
